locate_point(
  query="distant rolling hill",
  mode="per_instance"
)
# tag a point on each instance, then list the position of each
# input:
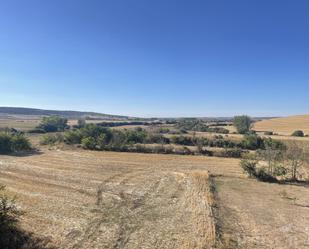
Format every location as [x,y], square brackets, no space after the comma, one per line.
[66,114]
[285,125]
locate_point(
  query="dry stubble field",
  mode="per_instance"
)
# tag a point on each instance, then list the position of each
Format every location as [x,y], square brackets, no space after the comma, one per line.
[284,126]
[83,199]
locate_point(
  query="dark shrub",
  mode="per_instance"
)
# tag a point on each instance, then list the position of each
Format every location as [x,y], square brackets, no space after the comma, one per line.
[163,130]
[219,142]
[157,139]
[13,143]
[218,137]
[274,144]
[125,123]
[249,166]
[73,137]
[234,153]
[268,133]
[51,139]
[5,143]
[199,125]
[136,136]
[205,152]
[280,171]
[298,133]
[89,143]
[252,142]
[262,175]
[118,140]
[182,140]
[53,124]
[20,143]
[37,130]
[92,130]
[191,125]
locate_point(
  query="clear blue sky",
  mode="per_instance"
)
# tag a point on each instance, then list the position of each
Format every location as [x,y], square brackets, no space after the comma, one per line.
[156,58]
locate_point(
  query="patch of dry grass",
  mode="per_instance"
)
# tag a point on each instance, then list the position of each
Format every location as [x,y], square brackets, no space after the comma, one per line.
[19,123]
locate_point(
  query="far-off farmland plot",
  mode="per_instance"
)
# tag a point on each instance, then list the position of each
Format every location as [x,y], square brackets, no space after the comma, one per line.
[83,199]
[284,126]
[20,122]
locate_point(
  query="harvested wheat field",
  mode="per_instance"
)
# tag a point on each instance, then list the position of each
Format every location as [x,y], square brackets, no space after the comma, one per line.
[19,122]
[284,126]
[84,199]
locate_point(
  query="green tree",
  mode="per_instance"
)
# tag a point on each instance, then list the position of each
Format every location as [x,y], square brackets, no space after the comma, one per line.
[252,142]
[10,142]
[89,143]
[20,143]
[73,136]
[53,124]
[249,166]
[242,123]
[273,154]
[92,130]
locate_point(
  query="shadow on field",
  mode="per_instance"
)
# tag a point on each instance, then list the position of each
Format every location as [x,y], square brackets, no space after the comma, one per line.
[26,153]
[299,183]
[296,183]
[13,238]
[11,235]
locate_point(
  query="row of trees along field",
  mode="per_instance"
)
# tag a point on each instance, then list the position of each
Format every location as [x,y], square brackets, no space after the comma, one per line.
[97,137]
[283,159]
[278,161]
[243,125]
[92,136]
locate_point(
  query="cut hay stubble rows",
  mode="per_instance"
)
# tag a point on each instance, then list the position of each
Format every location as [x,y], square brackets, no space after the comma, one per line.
[84,199]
